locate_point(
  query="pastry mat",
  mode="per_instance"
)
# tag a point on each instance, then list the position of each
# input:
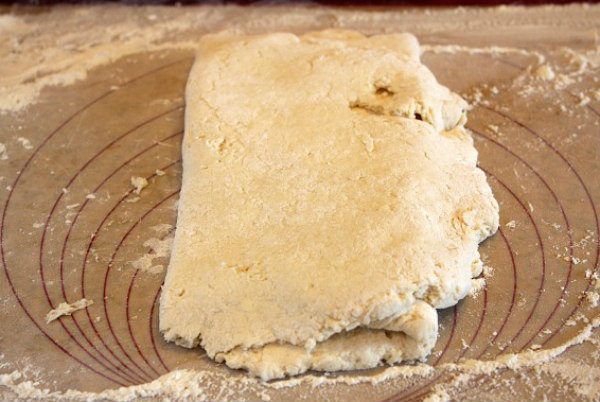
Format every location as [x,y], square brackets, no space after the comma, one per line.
[72,226]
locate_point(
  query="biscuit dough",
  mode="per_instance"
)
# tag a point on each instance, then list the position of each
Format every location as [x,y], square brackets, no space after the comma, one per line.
[330,204]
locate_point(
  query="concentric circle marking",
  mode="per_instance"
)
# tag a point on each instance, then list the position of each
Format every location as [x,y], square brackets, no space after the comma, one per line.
[110,264]
[588,197]
[135,274]
[127,376]
[3,226]
[95,234]
[564,216]
[88,250]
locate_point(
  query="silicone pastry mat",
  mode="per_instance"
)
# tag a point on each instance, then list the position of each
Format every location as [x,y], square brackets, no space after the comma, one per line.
[72,226]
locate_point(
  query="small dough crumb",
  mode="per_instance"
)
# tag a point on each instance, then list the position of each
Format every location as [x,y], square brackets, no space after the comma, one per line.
[593,298]
[476,286]
[437,396]
[493,128]
[544,72]
[25,142]
[67,309]
[139,183]
[3,154]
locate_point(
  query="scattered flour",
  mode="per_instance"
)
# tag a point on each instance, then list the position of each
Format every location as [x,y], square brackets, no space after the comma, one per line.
[491,50]
[200,385]
[178,384]
[493,128]
[584,380]
[470,369]
[69,58]
[487,271]
[162,228]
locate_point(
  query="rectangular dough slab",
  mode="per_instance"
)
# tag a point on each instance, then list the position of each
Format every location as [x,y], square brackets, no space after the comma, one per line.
[330,203]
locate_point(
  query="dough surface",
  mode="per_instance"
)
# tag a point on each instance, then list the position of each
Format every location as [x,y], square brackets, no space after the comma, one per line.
[330,204]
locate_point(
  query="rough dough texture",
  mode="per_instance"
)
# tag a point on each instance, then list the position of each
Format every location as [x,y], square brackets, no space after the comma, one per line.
[330,203]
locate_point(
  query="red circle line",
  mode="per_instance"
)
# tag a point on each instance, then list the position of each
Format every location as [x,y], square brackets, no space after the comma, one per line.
[541,247]
[513,295]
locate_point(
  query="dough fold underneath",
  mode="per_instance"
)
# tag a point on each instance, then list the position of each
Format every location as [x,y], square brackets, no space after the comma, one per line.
[409,337]
[330,204]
